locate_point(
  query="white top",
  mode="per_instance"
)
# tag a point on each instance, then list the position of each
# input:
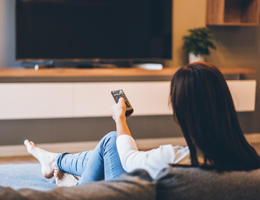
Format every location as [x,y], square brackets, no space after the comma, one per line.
[152,161]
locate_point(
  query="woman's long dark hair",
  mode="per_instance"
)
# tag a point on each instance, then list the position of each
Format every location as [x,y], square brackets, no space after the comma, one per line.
[203,107]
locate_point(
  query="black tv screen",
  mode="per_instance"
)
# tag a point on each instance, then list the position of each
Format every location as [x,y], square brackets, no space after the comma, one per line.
[90,29]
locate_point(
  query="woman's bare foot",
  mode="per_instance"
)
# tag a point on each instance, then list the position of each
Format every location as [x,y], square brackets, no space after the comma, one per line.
[46,158]
[63,179]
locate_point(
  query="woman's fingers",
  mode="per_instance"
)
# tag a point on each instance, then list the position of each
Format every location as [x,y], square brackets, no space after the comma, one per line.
[121,101]
[118,109]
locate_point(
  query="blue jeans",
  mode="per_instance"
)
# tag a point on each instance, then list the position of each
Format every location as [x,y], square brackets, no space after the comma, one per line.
[102,163]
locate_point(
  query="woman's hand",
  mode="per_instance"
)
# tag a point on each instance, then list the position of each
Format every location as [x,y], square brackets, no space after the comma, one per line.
[118,110]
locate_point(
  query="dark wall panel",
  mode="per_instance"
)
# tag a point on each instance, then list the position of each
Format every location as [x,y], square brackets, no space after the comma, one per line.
[82,129]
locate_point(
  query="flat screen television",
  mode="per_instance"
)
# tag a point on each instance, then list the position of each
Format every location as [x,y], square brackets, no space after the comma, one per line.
[85,30]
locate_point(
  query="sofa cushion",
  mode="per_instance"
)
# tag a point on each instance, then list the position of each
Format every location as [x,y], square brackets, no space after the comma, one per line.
[194,183]
[172,183]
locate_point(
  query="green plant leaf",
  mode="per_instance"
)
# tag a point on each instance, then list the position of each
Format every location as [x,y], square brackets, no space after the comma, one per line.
[199,41]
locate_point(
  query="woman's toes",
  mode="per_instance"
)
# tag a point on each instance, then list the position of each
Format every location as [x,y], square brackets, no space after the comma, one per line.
[26,142]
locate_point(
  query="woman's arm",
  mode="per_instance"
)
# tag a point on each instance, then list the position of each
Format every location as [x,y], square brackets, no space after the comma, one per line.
[131,158]
[118,114]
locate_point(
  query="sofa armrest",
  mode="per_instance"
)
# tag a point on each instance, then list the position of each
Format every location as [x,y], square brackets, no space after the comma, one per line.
[194,183]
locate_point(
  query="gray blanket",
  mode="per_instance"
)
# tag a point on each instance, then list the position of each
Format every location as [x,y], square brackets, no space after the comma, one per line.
[25,176]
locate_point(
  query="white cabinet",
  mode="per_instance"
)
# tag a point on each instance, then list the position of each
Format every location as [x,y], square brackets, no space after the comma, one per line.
[35,100]
[244,94]
[68,100]
[147,98]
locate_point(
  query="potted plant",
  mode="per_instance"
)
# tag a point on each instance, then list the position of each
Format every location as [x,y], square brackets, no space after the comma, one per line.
[198,43]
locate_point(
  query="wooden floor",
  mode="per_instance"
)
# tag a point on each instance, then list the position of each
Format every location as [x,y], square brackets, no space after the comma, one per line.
[31,159]
[257,147]
[18,160]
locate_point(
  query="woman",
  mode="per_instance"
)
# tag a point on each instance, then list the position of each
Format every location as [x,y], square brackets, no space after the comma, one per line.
[202,106]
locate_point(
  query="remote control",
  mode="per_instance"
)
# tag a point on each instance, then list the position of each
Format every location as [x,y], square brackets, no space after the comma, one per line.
[120,93]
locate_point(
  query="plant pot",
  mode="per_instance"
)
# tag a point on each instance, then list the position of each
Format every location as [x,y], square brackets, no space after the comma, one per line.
[193,58]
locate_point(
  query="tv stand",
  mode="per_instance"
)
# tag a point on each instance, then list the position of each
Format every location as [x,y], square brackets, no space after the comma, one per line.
[38,64]
[150,66]
[96,65]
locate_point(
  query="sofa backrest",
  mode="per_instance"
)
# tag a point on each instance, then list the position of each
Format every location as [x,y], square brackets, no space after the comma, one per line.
[197,184]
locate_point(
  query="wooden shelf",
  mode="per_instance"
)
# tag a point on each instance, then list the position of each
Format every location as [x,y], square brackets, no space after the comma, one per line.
[233,12]
[117,72]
